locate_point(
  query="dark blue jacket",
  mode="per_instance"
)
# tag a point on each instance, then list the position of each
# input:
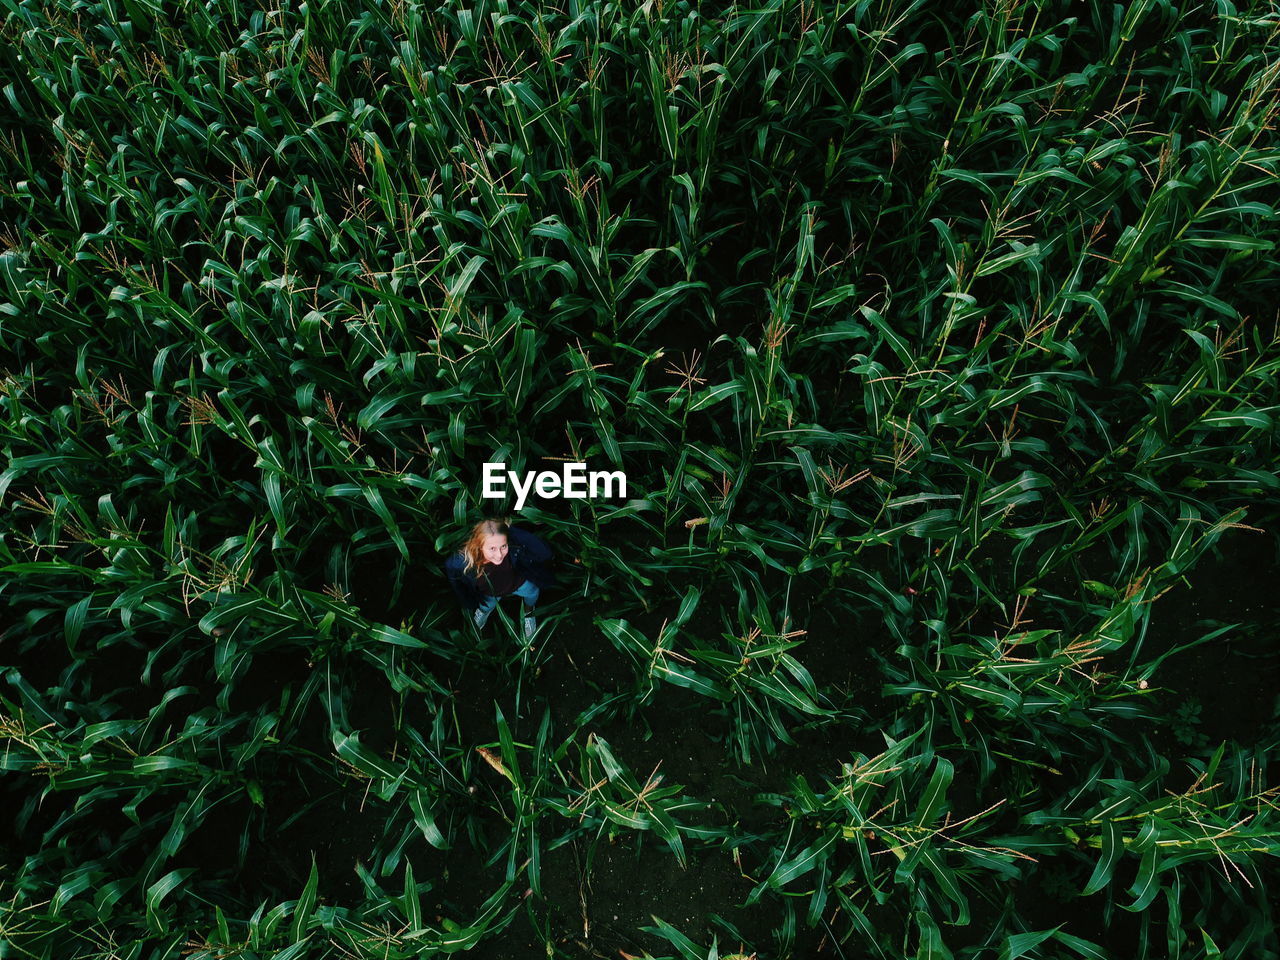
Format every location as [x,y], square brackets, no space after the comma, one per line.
[530,556]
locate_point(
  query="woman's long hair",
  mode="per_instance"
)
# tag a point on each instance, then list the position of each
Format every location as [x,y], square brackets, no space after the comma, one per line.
[473,549]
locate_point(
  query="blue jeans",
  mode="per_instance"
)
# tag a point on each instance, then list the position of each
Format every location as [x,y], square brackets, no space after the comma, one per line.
[527,591]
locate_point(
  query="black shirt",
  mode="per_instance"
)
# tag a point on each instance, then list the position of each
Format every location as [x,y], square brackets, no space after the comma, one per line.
[498,580]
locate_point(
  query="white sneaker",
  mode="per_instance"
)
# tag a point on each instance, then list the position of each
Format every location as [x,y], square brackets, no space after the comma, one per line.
[530,626]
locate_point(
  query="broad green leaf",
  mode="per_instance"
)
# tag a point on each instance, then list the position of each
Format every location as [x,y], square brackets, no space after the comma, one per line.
[1020,944]
[1112,846]
[935,793]
[158,891]
[306,904]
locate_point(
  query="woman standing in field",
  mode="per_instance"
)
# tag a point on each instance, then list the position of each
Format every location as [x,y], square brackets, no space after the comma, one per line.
[496,561]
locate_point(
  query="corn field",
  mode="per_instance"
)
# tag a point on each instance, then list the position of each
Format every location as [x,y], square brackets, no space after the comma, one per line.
[938,344]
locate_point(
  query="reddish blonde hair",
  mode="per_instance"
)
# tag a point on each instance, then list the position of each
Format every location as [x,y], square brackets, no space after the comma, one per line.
[473,549]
